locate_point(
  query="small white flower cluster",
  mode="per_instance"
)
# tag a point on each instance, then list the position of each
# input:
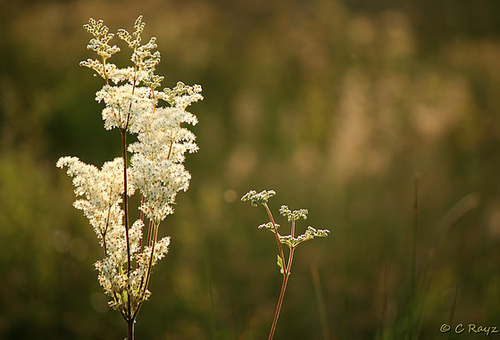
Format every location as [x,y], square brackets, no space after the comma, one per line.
[269,225]
[156,168]
[293,215]
[309,234]
[290,240]
[256,198]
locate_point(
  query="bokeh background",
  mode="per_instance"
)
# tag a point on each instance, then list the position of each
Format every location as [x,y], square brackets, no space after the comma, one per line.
[339,106]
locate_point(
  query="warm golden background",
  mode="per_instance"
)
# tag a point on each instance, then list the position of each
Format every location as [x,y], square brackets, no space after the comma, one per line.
[336,105]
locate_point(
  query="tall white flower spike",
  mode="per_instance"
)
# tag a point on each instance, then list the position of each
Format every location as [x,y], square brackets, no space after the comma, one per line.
[156,170]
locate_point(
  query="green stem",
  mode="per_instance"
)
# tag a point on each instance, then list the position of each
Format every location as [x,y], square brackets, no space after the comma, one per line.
[411,313]
[414,236]
[104,70]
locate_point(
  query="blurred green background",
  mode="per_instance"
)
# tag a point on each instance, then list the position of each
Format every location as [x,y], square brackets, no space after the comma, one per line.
[336,105]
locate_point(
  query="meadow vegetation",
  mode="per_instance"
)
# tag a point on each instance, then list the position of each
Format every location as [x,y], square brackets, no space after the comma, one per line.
[338,106]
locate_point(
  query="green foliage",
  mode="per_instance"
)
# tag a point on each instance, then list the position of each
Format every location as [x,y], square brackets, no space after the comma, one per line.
[334,104]
[280,264]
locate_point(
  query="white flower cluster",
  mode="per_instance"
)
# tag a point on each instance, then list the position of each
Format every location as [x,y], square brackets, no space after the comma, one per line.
[269,225]
[256,198]
[309,234]
[102,191]
[156,167]
[290,240]
[293,215]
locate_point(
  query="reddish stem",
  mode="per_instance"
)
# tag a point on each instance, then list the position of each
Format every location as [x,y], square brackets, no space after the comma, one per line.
[276,233]
[286,275]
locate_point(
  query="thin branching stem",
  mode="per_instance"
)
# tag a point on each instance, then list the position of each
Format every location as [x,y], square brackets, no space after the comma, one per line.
[142,220]
[128,316]
[106,78]
[278,307]
[125,195]
[275,232]
[145,281]
[290,240]
[103,233]
[130,105]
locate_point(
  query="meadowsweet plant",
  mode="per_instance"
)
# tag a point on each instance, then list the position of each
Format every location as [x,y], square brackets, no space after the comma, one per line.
[290,240]
[151,167]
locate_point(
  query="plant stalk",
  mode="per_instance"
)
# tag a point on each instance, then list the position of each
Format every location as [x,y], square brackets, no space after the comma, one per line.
[286,276]
[126,220]
[131,329]
[276,234]
[411,321]
[278,307]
